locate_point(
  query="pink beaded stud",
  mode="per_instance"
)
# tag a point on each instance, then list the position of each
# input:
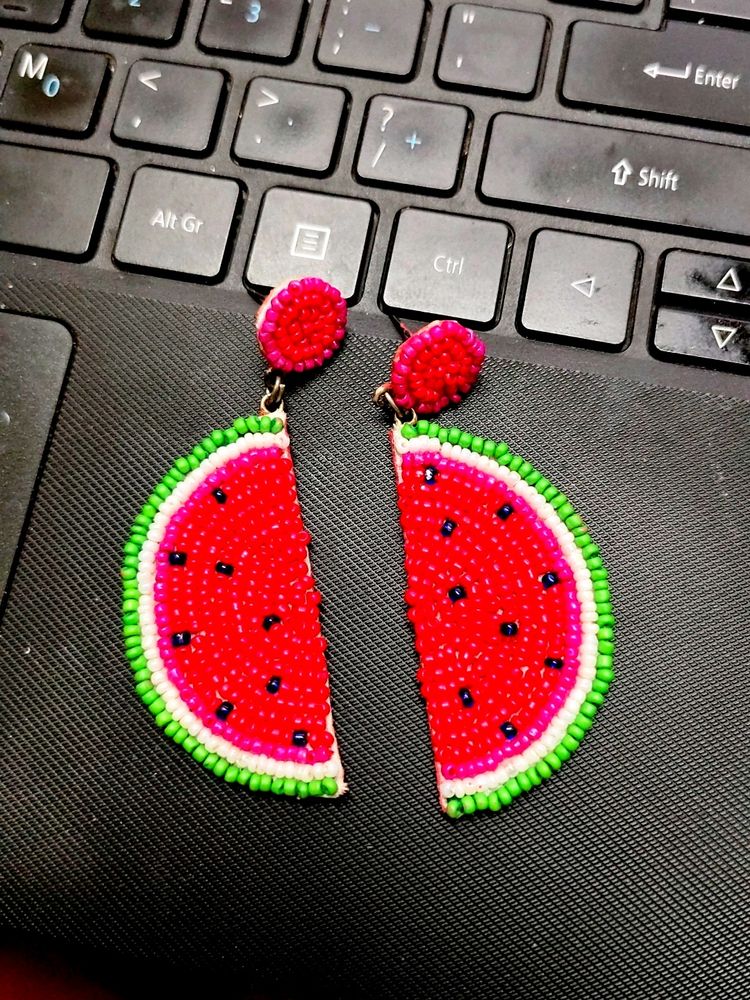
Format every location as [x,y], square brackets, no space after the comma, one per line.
[301,324]
[436,366]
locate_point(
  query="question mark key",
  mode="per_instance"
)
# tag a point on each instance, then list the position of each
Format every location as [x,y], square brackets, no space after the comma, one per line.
[412,144]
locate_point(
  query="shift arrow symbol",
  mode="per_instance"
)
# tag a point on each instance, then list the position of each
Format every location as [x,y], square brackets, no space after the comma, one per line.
[622,171]
[585,286]
[149,77]
[267,99]
[723,335]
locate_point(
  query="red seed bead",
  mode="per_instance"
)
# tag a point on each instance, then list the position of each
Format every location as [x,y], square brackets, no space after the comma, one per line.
[301,325]
[436,366]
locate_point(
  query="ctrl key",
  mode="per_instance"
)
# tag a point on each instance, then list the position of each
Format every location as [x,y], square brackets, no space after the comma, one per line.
[177,222]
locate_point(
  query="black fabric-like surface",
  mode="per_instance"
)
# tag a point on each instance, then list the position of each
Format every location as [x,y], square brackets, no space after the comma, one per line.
[624,876]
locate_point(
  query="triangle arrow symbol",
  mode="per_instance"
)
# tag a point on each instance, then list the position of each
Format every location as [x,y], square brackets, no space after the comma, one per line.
[585,286]
[730,282]
[723,335]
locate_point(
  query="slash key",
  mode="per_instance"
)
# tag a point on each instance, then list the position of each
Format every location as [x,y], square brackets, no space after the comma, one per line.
[416,144]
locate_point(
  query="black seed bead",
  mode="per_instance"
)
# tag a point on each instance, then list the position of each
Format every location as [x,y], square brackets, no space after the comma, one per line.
[554,662]
[224,709]
[549,580]
[177,558]
[274,683]
[509,628]
[466,697]
[181,639]
[448,527]
[508,730]
[505,511]
[430,475]
[220,496]
[299,738]
[457,593]
[226,568]
[269,621]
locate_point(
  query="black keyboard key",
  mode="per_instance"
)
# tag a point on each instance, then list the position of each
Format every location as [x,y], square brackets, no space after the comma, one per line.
[300,233]
[687,335]
[611,172]
[141,20]
[34,13]
[416,144]
[630,5]
[34,355]
[54,90]
[580,288]
[686,71]
[378,37]
[490,49]
[293,125]
[446,265]
[730,10]
[164,104]
[704,276]
[261,29]
[50,201]
[177,222]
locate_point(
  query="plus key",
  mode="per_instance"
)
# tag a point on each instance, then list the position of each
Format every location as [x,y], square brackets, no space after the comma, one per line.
[414,144]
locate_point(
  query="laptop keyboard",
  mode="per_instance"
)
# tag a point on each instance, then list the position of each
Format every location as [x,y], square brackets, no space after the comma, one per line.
[181,218]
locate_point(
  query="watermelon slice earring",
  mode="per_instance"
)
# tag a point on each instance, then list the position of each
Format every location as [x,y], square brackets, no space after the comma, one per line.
[220,609]
[506,590]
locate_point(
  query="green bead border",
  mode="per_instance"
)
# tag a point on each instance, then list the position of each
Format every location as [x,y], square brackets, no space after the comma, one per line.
[553,761]
[131,624]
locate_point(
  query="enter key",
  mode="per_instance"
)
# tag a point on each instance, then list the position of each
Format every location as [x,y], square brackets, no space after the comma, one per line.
[686,71]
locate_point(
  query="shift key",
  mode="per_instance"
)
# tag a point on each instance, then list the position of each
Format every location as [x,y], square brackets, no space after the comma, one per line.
[609,172]
[686,71]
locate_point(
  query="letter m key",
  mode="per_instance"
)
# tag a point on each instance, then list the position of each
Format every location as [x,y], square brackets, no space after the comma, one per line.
[31,67]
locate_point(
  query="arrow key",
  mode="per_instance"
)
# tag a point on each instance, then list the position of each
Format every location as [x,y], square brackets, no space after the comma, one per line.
[697,337]
[705,276]
[164,104]
[292,125]
[580,288]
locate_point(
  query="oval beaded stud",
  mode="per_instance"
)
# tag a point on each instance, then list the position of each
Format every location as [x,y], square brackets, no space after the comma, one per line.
[301,324]
[436,366]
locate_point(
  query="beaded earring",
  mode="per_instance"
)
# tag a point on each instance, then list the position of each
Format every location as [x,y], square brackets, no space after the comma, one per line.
[220,610]
[506,590]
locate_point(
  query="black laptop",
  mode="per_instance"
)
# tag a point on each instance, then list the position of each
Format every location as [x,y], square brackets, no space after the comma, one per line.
[571,181]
